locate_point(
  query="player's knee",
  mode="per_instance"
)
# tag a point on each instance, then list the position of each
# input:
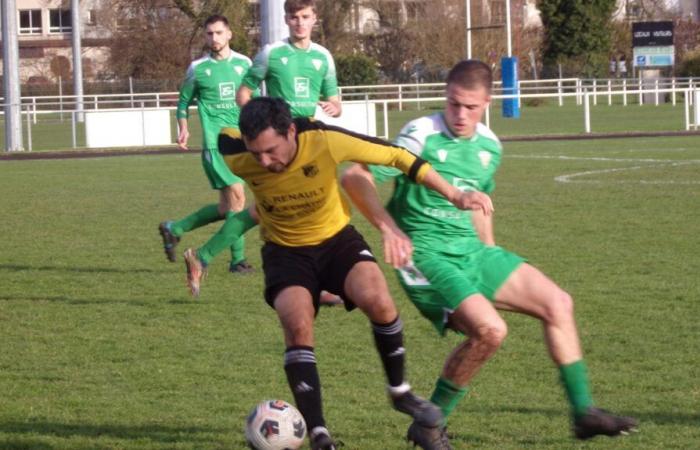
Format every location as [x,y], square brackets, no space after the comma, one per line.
[299,333]
[379,307]
[560,307]
[492,335]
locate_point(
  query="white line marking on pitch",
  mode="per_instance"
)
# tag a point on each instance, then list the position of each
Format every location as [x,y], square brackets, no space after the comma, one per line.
[569,178]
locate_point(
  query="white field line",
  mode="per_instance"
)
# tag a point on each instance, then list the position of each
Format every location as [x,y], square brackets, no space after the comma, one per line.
[647,163]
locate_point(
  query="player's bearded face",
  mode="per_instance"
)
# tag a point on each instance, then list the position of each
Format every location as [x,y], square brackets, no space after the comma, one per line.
[465,108]
[218,36]
[273,151]
[301,23]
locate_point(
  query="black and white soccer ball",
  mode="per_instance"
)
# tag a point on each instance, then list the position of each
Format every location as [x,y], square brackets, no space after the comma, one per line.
[275,425]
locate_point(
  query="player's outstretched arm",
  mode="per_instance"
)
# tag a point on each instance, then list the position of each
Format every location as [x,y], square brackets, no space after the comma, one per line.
[359,184]
[463,200]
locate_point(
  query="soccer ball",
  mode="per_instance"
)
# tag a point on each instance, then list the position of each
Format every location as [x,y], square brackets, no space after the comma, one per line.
[275,425]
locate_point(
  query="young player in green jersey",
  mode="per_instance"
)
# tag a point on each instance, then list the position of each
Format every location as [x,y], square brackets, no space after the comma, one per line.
[211,82]
[296,69]
[291,167]
[299,71]
[458,278]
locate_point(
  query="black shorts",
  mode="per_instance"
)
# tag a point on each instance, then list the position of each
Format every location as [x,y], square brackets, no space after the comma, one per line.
[315,267]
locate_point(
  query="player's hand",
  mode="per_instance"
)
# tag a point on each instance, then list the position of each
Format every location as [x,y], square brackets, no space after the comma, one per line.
[182,139]
[397,246]
[329,108]
[474,200]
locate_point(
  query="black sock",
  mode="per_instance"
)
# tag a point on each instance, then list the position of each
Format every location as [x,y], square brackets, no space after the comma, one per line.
[389,341]
[302,376]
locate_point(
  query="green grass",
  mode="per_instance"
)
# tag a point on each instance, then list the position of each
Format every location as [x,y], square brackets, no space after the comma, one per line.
[549,118]
[102,347]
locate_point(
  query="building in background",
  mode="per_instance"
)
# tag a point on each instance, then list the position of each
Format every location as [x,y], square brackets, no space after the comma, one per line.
[45,28]
[45,34]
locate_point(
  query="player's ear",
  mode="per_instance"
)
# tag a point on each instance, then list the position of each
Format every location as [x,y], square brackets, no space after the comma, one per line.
[292,131]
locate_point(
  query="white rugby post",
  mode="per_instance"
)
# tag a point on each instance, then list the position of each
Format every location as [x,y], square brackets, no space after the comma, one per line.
[508,34]
[10,68]
[77,60]
[468,19]
[272,25]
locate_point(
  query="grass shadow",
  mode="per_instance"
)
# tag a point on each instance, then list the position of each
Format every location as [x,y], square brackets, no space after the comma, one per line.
[98,270]
[154,432]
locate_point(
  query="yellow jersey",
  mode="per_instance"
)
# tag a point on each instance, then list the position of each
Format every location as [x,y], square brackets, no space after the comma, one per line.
[304,204]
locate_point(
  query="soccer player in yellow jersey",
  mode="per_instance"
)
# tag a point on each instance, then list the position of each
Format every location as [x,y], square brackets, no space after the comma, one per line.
[291,167]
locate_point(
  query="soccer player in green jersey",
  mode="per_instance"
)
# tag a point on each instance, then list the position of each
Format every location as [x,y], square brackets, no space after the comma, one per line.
[296,69]
[299,71]
[457,277]
[291,167]
[212,81]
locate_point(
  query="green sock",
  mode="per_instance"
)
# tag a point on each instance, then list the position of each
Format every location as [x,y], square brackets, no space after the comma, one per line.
[238,250]
[574,377]
[232,231]
[199,218]
[447,395]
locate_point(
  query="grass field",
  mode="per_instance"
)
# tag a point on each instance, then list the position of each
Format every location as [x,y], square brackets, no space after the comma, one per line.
[55,132]
[102,347]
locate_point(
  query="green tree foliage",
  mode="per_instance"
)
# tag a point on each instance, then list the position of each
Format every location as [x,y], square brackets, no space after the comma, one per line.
[236,11]
[356,70]
[333,31]
[156,39]
[577,35]
[690,67]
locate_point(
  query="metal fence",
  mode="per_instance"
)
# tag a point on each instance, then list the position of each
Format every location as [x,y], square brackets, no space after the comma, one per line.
[65,111]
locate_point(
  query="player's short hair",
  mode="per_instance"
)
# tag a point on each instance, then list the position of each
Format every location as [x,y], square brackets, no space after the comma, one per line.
[216,18]
[471,74]
[292,6]
[261,113]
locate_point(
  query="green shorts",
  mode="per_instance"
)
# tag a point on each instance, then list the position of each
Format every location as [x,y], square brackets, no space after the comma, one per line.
[438,283]
[217,171]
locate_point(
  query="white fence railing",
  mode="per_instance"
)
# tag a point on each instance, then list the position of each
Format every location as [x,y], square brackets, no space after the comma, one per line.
[389,97]
[400,92]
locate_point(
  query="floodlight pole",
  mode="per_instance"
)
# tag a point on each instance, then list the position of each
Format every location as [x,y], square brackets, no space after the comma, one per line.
[468,17]
[272,25]
[10,68]
[77,60]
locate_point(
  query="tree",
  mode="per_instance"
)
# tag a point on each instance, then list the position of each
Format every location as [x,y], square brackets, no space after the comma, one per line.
[334,27]
[156,39]
[356,70]
[236,11]
[576,35]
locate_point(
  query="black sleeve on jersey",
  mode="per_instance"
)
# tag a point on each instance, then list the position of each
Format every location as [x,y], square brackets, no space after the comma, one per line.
[230,146]
[306,124]
[415,167]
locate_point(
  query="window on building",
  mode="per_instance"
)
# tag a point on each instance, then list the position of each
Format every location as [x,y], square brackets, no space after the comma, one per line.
[60,21]
[498,12]
[29,21]
[92,17]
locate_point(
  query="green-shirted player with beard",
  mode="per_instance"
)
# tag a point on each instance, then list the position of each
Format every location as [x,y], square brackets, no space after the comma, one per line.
[211,82]
[296,69]
[457,277]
